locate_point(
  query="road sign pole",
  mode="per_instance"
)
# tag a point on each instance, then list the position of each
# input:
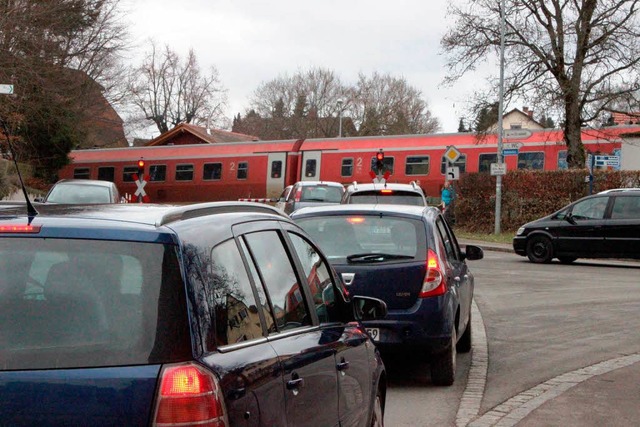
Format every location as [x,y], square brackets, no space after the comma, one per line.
[500,130]
[593,161]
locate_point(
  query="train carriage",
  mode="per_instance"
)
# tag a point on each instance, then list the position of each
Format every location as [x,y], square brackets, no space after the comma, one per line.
[261,169]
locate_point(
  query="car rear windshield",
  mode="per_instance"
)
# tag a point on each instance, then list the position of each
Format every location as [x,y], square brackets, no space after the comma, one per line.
[321,194]
[392,198]
[342,237]
[77,194]
[68,303]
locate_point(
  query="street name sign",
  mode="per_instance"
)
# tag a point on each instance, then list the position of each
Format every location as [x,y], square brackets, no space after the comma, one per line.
[498,168]
[6,89]
[516,133]
[607,161]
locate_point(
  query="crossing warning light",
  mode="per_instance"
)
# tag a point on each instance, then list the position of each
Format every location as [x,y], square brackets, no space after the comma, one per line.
[380,161]
[140,168]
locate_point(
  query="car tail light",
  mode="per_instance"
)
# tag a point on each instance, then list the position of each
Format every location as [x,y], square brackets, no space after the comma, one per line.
[189,395]
[434,282]
[355,220]
[19,228]
[386,191]
[298,194]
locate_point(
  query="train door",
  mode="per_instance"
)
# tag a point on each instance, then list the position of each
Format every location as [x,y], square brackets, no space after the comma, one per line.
[311,165]
[276,173]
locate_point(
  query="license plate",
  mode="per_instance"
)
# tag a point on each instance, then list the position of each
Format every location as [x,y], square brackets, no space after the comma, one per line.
[374,333]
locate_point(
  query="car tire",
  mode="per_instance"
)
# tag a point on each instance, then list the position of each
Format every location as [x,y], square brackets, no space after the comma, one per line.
[464,344]
[377,417]
[443,365]
[540,250]
[567,259]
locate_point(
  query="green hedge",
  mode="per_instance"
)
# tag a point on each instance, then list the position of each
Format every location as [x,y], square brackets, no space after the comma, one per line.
[527,195]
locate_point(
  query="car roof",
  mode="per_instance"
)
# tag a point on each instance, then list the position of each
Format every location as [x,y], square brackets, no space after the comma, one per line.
[99,219]
[346,209]
[315,183]
[619,190]
[356,186]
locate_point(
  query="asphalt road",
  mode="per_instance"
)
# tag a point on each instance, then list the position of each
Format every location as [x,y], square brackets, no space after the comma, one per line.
[542,323]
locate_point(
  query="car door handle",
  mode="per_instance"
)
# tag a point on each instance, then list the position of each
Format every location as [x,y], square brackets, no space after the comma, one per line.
[294,384]
[343,365]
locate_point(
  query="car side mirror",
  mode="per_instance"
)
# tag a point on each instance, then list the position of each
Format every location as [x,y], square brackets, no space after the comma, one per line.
[368,308]
[473,252]
[39,199]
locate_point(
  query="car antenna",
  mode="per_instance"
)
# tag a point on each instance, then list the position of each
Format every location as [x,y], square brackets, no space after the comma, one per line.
[31,211]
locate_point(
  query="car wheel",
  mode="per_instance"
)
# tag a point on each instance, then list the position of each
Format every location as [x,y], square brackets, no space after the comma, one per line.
[377,418]
[567,259]
[539,249]
[443,365]
[464,345]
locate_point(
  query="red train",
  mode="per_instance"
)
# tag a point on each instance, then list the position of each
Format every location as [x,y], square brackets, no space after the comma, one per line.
[261,169]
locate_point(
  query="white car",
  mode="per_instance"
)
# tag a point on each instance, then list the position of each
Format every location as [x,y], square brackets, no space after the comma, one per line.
[82,191]
[617,190]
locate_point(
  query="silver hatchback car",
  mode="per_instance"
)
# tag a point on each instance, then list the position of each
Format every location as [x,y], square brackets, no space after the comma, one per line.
[313,193]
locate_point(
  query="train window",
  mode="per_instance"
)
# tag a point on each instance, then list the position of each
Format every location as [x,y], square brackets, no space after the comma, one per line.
[157,173]
[562,160]
[417,165]
[347,167]
[212,171]
[184,172]
[81,173]
[388,163]
[243,170]
[461,164]
[310,168]
[485,160]
[128,172]
[107,173]
[531,161]
[276,169]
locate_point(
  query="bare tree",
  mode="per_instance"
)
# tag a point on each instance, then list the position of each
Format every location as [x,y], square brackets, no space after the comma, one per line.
[579,57]
[168,91]
[59,55]
[311,103]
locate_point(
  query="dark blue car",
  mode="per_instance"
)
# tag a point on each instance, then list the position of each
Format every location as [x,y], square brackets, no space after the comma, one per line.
[409,257]
[214,314]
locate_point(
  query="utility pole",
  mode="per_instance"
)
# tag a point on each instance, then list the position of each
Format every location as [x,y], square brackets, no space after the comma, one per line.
[500,109]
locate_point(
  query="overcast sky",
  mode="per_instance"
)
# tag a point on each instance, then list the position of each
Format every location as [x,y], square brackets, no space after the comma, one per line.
[254,41]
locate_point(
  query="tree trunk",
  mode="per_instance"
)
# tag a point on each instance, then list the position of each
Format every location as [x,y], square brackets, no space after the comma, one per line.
[572,134]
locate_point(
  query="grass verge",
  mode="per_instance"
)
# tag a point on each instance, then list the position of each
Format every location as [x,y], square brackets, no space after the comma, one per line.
[505,237]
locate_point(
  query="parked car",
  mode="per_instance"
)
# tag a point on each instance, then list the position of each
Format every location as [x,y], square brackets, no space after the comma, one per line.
[211,314]
[605,225]
[616,190]
[282,200]
[313,193]
[82,191]
[388,193]
[409,257]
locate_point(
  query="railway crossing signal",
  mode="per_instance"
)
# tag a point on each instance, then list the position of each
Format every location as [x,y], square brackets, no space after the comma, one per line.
[378,173]
[141,180]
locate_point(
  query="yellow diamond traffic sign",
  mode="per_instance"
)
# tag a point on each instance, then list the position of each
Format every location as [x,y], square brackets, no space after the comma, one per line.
[452,154]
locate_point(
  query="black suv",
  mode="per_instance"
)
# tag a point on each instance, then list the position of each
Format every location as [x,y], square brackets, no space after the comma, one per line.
[212,314]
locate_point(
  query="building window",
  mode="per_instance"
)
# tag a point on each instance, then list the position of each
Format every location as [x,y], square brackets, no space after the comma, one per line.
[128,172]
[276,169]
[107,173]
[184,172]
[533,161]
[212,171]
[243,170]
[157,173]
[461,164]
[485,160]
[347,167]
[81,173]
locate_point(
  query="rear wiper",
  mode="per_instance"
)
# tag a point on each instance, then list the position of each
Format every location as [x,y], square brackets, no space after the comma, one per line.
[375,257]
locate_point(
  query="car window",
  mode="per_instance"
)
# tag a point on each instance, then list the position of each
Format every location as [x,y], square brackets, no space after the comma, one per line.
[341,236]
[321,194]
[87,303]
[395,198]
[593,208]
[450,245]
[78,194]
[279,279]
[626,208]
[319,279]
[230,297]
